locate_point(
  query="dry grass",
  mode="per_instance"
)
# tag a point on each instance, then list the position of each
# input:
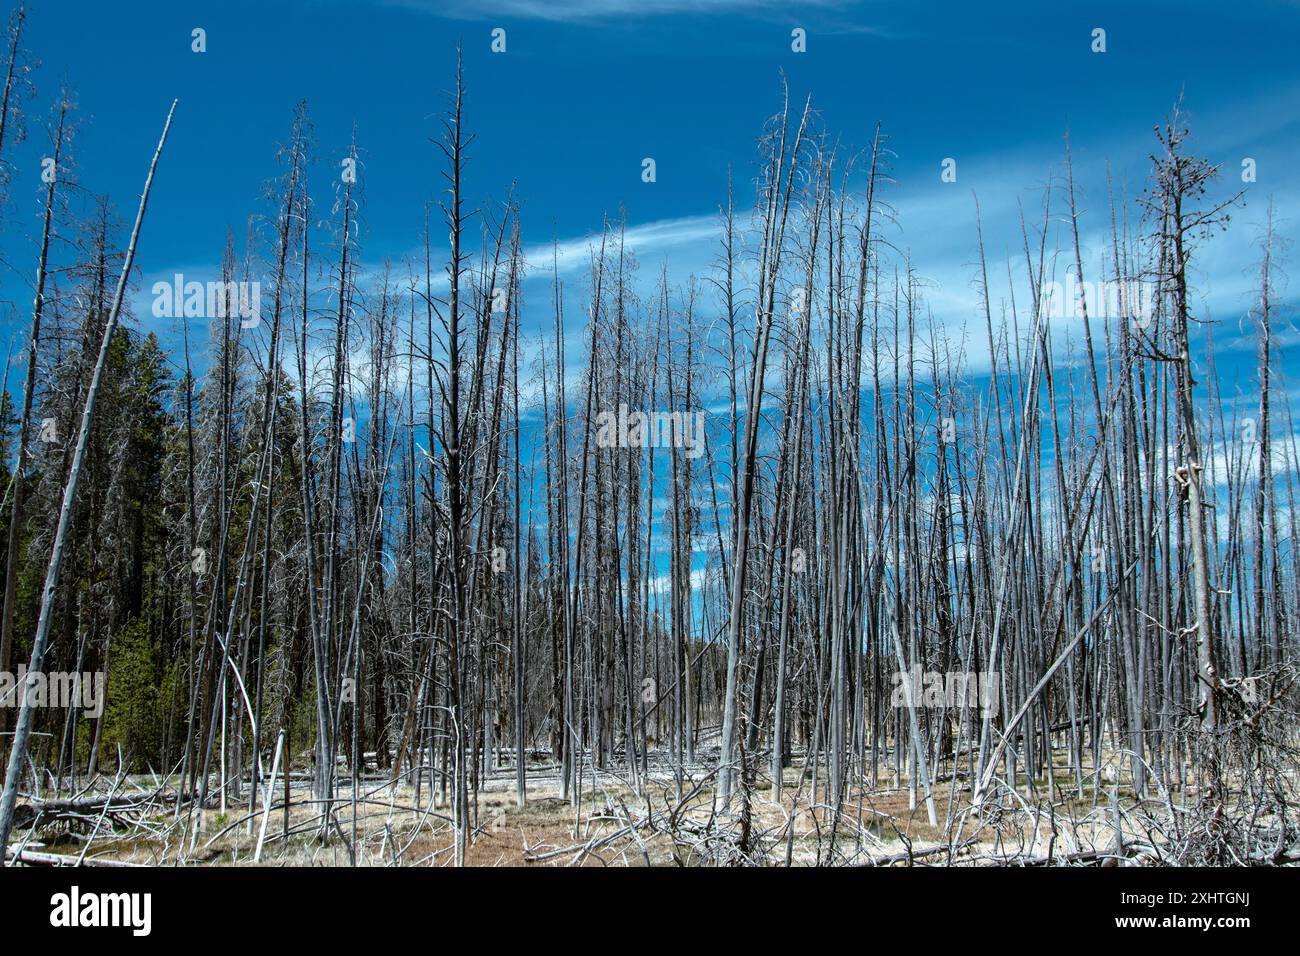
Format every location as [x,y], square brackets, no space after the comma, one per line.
[884,822]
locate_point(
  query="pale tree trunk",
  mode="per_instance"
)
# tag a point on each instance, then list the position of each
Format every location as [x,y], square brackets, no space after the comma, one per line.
[24,424]
[23,729]
[778,207]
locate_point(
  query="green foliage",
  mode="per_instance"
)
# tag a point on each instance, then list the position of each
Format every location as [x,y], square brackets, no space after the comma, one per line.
[136,699]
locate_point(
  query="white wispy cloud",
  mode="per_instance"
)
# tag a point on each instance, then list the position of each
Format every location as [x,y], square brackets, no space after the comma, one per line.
[593,10]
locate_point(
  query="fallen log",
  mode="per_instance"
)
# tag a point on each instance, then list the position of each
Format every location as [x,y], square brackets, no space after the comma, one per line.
[917,854]
[95,803]
[35,858]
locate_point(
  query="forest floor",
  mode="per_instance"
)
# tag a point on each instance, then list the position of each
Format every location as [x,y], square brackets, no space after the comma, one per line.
[667,821]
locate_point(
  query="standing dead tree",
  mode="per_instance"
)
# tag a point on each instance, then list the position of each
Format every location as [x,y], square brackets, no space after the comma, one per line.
[22,731]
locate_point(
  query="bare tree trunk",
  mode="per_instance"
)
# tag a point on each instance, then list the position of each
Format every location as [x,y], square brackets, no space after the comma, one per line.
[29,391]
[22,731]
[778,207]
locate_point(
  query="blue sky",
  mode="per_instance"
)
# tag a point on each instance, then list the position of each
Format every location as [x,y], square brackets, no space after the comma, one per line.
[586,90]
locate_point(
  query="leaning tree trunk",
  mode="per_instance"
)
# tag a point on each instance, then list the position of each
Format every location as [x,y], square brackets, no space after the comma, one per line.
[22,732]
